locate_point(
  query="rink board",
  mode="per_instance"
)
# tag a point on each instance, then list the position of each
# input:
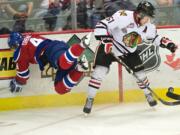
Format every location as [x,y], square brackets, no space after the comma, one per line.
[35,95]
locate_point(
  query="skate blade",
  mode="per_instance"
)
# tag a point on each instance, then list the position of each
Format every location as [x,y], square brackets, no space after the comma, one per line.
[153,108]
[86,114]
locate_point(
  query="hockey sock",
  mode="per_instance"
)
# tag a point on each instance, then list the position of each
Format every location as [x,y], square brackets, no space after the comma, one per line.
[68,82]
[96,79]
[93,86]
[61,88]
[143,85]
[143,82]
[70,56]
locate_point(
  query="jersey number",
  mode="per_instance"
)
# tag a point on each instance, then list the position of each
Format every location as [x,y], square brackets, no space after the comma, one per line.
[36,41]
[109,19]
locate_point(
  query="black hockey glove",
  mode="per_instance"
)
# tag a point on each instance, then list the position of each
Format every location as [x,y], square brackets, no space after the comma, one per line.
[15,86]
[172,47]
[166,43]
[107,42]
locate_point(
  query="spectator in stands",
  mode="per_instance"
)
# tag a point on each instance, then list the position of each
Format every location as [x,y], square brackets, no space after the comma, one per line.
[165,2]
[50,21]
[111,6]
[177,11]
[81,13]
[3,8]
[165,12]
[95,12]
[50,11]
[20,11]
[50,18]
[177,2]
[4,17]
[81,16]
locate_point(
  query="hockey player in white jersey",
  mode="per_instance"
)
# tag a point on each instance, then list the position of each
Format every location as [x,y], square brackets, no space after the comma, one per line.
[120,35]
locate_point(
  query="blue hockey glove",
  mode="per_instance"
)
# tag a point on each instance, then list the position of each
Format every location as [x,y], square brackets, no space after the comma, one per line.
[15,86]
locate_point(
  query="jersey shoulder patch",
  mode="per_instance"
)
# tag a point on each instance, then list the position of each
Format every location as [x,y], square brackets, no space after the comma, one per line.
[122,13]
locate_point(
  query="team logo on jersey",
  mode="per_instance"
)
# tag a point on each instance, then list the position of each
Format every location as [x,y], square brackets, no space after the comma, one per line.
[132,39]
[150,56]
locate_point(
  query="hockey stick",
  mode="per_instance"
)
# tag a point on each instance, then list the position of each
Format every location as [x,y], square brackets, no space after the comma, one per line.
[131,72]
[172,95]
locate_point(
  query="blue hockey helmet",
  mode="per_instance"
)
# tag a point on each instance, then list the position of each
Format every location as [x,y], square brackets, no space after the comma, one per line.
[15,39]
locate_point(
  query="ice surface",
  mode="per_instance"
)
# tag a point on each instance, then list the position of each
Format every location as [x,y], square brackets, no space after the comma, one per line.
[111,119]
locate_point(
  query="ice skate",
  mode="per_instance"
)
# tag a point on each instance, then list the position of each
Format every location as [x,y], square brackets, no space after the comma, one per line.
[152,102]
[88,106]
[85,41]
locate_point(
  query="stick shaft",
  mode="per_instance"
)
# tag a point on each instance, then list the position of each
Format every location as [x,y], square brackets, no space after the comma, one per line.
[131,72]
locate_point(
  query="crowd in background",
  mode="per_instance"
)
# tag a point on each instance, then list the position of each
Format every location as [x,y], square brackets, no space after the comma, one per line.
[58,15]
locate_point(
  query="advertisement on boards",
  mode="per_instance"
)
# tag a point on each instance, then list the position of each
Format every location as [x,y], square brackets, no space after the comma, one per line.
[7,65]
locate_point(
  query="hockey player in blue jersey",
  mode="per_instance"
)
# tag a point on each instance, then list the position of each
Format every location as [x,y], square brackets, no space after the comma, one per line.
[34,49]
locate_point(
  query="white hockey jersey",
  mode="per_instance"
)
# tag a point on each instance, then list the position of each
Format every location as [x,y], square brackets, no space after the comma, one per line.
[124,31]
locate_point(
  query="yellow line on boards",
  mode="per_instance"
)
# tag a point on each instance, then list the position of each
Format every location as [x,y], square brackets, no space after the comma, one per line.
[70,99]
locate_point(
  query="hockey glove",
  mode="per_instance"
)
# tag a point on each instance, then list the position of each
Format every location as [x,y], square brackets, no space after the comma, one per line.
[107,42]
[15,86]
[166,43]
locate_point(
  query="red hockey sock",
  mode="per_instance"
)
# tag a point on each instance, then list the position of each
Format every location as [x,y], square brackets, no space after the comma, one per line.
[75,75]
[76,50]
[61,88]
[68,82]
[67,59]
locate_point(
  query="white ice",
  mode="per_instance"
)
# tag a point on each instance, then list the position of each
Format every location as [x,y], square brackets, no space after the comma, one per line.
[111,119]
